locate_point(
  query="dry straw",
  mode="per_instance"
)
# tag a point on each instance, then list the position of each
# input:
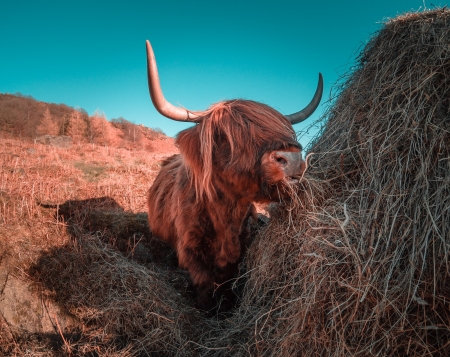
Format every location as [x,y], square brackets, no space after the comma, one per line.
[124,308]
[358,264]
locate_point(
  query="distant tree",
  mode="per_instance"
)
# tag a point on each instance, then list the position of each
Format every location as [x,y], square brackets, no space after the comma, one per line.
[158,130]
[64,125]
[96,128]
[132,134]
[77,126]
[102,132]
[83,111]
[47,125]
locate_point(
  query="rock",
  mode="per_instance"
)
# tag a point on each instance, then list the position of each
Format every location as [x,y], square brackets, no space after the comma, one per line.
[61,141]
[27,311]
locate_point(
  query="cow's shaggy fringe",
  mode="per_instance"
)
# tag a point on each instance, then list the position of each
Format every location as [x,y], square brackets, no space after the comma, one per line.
[238,130]
[358,264]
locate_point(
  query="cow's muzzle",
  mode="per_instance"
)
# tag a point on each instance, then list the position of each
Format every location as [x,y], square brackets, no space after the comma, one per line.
[291,163]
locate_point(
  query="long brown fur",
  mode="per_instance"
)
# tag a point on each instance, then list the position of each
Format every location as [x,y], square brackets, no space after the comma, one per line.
[202,198]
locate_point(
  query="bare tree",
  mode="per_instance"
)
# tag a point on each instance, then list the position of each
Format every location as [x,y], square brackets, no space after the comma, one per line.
[77,126]
[102,132]
[47,124]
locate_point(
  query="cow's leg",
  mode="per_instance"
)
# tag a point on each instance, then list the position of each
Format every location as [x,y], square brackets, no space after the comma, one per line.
[202,275]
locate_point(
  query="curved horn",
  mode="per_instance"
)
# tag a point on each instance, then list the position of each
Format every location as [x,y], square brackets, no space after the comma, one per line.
[310,108]
[161,104]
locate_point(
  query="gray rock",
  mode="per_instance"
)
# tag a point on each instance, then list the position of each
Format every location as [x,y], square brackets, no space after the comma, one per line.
[27,311]
[61,141]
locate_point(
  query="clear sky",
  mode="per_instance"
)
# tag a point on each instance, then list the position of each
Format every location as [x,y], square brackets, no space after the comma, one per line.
[91,54]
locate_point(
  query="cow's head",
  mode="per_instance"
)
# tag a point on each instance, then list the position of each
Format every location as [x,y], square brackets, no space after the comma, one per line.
[240,147]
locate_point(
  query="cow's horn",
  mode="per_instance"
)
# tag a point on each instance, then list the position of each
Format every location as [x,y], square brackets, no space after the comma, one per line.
[310,108]
[161,104]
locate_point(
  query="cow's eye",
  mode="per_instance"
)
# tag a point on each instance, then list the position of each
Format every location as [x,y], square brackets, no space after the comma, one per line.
[282,160]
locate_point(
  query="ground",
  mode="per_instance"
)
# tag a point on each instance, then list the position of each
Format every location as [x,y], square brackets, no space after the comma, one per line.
[46,194]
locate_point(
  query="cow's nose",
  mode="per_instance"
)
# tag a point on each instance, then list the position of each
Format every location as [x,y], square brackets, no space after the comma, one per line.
[291,162]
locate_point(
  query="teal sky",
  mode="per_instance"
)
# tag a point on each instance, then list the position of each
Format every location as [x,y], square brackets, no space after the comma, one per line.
[91,54]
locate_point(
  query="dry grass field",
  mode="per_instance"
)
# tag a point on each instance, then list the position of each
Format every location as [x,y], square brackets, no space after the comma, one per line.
[35,182]
[35,173]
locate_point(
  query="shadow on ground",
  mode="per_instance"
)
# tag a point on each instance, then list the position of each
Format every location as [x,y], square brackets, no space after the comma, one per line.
[113,281]
[127,232]
[113,284]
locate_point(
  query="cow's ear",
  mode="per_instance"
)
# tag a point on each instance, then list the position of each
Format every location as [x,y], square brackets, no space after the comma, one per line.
[188,141]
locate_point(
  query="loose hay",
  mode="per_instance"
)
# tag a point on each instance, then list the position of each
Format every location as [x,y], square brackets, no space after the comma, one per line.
[358,263]
[124,308]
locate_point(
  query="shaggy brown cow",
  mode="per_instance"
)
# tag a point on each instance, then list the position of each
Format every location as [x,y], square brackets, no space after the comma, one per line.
[239,152]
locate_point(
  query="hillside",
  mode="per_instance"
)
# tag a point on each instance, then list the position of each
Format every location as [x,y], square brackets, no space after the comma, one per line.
[25,118]
[108,164]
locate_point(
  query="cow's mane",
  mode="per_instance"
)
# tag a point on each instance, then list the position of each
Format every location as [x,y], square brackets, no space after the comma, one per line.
[250,128]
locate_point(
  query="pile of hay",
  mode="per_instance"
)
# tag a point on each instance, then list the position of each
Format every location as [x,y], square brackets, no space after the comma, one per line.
[359,263]
[123,308]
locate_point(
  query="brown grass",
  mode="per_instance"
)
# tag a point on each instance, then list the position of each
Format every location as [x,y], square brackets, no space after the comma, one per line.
[34,180]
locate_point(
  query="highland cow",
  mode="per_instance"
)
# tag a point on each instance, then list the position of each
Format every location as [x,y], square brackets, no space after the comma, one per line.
[238,153]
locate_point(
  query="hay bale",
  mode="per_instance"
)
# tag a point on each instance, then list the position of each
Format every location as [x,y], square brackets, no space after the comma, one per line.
[358,263]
